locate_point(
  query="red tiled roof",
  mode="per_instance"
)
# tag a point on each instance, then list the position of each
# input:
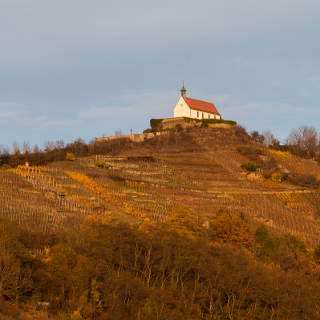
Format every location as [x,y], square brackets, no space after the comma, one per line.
[201,106]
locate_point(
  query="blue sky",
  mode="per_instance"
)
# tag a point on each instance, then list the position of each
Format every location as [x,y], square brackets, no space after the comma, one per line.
[79,68]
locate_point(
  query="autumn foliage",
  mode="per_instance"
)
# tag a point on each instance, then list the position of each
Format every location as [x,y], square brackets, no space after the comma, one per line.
[123,272]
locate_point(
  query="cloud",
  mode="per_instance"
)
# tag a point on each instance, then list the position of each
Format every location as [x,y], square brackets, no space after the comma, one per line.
[42,31]
[133,106]
[105,112]
[9,115]
[46,123]
[27,118]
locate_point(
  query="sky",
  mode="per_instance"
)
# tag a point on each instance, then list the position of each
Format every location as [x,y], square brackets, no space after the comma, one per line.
[79,68]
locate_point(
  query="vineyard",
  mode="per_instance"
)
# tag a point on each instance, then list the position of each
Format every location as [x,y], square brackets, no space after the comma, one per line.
[157,188]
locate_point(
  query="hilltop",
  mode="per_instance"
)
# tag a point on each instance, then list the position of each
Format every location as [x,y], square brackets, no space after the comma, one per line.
[216,185]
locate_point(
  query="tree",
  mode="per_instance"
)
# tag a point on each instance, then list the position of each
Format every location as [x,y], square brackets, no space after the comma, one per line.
[36,149]
[304,141]
[26,148]
[269,138]
[256,136]
[4,155]
[16,148]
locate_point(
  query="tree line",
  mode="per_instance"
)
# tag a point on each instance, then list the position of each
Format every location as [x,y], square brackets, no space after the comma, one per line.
[303,141]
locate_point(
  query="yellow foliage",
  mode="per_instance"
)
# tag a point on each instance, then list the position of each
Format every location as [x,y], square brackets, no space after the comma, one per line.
[25,171]
[96,188]
[290,199]
[91,219]
[232,228]
[282,154]
[87,182]
[70,156]
[277,176]
[133,211]
[76,315]
[183,221]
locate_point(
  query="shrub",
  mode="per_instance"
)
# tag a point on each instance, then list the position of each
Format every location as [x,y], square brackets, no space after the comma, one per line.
[256,136]
[293,242]
[250,151]
[206,122]
[277,177]
[268,243]
[240,130]
[102,164]
[155,123]
[305,180]
[249,166]
[261,233]
[70,156]
[317,251]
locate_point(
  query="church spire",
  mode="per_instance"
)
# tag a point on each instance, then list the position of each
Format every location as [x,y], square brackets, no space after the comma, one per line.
[183,91]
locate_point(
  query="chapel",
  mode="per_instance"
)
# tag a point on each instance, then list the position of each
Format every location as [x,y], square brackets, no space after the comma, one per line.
[193,108]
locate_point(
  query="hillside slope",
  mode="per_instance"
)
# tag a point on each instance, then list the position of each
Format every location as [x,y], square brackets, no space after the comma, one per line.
[202,223]
[196,172]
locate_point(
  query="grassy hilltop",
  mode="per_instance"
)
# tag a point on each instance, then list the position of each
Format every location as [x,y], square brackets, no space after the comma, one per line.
[201,223]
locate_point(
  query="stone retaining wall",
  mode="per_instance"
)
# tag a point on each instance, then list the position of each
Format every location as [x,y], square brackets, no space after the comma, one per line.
[133,137]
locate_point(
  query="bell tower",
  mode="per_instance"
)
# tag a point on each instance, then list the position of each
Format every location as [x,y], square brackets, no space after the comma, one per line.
[183,92]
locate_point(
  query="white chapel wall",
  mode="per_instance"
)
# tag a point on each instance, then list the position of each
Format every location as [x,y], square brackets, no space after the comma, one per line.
[181,109]
[198,115]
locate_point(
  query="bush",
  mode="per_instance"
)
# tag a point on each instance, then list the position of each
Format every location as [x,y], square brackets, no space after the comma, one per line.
[155,123]
[277,176]
[268,243]
[102,164]
[317,251]
[250,151]
[70,156]
[206,122]
[305,180]
[256,136]
[241,131]
[261,234]
[249,166]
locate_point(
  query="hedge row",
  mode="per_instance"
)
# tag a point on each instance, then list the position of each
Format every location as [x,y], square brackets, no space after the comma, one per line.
[206,122]
[155,123]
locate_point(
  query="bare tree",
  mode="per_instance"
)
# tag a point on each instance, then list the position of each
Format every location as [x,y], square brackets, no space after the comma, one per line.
[304,141]
[26,148]
[4,150]
[49,146]
[60,144]
[269,138]
[16,148]
[4,155]
[36,149]
[256,136]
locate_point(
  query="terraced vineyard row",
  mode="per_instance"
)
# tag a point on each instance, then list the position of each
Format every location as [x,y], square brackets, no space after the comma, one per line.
[137,189]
